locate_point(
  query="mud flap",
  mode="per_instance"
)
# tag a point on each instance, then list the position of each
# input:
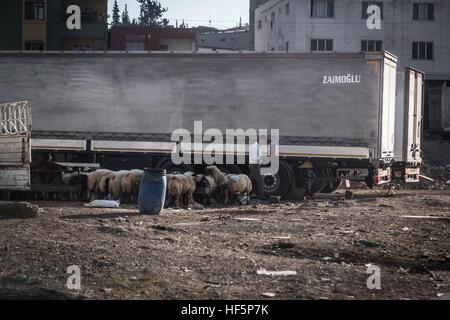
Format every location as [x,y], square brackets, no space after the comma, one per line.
[383,176]
[411,175]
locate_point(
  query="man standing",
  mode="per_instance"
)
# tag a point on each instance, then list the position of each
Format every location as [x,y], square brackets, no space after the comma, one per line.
[255,170]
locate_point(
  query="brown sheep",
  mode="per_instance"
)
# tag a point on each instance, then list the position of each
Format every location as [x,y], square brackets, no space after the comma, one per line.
[229,184]
[178,186]
[130,184]
[93,182]
[235,184]
[115,184]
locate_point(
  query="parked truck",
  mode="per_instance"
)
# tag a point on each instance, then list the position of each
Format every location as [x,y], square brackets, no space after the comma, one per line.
[335,112]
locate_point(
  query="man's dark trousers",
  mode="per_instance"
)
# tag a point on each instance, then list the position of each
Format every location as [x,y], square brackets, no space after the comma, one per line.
[257,180]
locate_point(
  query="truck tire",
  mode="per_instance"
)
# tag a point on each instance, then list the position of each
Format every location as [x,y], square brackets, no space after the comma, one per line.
[279,184]
[331,186]
[310,185]
[4,195]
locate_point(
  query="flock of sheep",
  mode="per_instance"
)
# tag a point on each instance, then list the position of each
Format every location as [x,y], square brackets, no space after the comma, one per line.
[214,184]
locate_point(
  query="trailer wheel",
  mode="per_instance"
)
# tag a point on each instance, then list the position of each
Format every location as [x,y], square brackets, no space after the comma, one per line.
[331,186]
[4,195]
[311,185]
[280,183]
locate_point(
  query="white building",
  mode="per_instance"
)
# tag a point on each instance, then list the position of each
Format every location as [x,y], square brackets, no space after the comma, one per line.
[418,32]
[230,39]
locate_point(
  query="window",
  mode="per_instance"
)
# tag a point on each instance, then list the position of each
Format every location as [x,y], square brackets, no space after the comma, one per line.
[279,11]
[272,20]
[163,47]
[322,9]
[223,39]
[34,45]
[367,4]
[135,45]
[286,46]
[422,50]
[321,45]
[371,45]
[259,25]
[423,11]
[34,10]
[287,9]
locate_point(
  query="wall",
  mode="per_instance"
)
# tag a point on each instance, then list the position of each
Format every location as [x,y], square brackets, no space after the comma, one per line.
[178,44]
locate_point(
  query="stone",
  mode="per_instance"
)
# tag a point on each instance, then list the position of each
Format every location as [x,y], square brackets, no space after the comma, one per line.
[19,210]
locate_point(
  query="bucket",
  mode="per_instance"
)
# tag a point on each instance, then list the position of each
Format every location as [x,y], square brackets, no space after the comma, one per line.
[152,192]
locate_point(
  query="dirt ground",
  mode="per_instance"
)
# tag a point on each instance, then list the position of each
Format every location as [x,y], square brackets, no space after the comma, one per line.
[216,253]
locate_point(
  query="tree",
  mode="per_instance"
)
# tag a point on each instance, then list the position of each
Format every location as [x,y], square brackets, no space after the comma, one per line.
[116,14]
[125,16]
[151,13]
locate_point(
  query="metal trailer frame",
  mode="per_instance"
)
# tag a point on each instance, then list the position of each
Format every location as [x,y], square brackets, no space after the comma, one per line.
[15,147]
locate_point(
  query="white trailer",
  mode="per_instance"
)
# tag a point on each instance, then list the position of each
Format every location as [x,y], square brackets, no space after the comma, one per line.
[335,112]
[408,125]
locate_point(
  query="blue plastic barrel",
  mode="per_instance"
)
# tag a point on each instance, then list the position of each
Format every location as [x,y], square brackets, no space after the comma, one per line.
[152,191]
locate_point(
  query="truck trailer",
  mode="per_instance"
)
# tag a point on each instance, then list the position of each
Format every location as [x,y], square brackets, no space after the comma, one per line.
[336,113]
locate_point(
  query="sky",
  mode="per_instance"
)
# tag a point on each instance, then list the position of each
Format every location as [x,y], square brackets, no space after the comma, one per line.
[223,13]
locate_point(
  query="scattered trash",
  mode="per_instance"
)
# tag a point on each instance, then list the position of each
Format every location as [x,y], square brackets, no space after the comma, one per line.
[326,258]
[391,192]
[247,219]
[406,229]
[281,238]
[103,204]
[275,199]
[426,178]
[349,195]
[264,272]
[163,228]
[444,296]
[243,199]
[426,217]
[372,244]
[325,279]
[269,294]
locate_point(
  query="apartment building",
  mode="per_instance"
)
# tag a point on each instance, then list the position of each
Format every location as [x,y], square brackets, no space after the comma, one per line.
[41,25]
[417,31]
